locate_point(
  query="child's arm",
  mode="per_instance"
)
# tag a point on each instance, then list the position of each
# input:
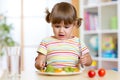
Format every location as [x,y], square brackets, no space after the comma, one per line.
[86,59]
[40,61]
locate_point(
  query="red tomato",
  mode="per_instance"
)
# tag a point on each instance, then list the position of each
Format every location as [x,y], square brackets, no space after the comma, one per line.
[91,73]
[101,72]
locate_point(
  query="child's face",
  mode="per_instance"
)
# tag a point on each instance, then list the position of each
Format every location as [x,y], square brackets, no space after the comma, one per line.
[62,31]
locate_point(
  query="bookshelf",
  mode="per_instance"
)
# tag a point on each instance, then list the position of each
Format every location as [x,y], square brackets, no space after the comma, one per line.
[101,32]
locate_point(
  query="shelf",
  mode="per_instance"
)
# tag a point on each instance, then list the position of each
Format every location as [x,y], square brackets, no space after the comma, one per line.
[109,59]
[105,59]
[90,6]
[91,32]
[109,31]
[96,58]
[109,3]
[98,31]
[101,32]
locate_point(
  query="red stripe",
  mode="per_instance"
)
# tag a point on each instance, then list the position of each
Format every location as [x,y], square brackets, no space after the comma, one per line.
[53,43]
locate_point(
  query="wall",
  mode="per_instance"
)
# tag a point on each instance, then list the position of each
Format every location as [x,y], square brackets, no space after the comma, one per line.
[30,27]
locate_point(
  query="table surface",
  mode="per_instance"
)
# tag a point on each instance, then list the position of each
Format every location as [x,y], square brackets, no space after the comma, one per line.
[33,75]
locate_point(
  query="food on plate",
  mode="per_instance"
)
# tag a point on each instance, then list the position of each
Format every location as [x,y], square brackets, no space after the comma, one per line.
[49,68]
[101,72]
[67,69]
[58,70]
[70,69]
[42,70]
[91,73]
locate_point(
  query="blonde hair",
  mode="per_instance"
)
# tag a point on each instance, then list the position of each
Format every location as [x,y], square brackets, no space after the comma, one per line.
[63,12]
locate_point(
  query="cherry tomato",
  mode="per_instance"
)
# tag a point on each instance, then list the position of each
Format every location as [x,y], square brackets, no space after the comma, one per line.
[91,73]
[101,72]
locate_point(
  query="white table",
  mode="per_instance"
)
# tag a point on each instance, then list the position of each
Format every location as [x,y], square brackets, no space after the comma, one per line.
[33,75]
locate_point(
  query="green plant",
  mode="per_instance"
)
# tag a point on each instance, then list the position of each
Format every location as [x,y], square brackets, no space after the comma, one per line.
[5,37]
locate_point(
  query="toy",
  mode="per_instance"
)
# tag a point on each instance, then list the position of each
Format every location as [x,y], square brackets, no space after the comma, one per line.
[93,43]
[107,43]
[109,54]
[109,47]
[94,65]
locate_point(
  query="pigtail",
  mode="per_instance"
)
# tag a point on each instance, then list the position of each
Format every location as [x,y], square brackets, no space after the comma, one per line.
[47,16]
[79,21]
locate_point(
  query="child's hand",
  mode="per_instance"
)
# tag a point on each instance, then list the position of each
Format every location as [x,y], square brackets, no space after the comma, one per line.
[40,61]
[85,59]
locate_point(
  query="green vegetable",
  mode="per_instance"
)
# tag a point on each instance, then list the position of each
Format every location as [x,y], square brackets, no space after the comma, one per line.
[49,68]
[66,69]
[69,69]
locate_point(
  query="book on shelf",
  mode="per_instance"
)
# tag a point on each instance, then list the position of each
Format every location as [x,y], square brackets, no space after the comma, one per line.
[91,21]
[87,21]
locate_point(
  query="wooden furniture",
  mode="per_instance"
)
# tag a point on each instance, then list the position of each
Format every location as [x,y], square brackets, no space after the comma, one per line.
[76,31]
[33,75]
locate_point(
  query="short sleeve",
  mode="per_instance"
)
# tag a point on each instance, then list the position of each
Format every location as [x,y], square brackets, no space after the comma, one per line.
[42,48]
[84,48]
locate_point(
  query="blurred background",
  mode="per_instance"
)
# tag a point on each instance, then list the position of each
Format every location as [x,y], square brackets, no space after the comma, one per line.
[25,20]
[26,26]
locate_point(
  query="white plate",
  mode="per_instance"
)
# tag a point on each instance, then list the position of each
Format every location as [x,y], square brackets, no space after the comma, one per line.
[59,74]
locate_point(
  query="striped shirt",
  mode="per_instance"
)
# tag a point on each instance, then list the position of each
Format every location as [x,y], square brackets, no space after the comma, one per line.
[61,53]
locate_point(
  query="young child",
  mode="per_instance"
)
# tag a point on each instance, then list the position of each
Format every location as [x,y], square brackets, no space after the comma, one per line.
[62,49]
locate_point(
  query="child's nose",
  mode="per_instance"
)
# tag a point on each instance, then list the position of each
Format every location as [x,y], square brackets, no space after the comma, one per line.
[61,29]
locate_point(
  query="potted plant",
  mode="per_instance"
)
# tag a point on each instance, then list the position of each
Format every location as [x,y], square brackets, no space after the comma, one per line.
[5,37]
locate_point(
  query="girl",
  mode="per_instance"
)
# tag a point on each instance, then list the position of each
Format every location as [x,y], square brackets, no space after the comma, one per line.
[62,49]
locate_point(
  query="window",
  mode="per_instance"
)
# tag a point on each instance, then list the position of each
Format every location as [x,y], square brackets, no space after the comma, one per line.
[28,18]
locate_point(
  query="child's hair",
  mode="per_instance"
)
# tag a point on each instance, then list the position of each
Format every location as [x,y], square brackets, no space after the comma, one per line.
[63,12]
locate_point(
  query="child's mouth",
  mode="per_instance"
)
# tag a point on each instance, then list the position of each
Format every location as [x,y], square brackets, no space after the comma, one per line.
[61,36]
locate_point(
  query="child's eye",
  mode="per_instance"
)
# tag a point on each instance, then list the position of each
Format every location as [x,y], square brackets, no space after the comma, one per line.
[57,26]
[66,26]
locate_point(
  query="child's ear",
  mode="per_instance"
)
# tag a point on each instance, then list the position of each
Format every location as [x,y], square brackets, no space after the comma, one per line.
[75,23]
